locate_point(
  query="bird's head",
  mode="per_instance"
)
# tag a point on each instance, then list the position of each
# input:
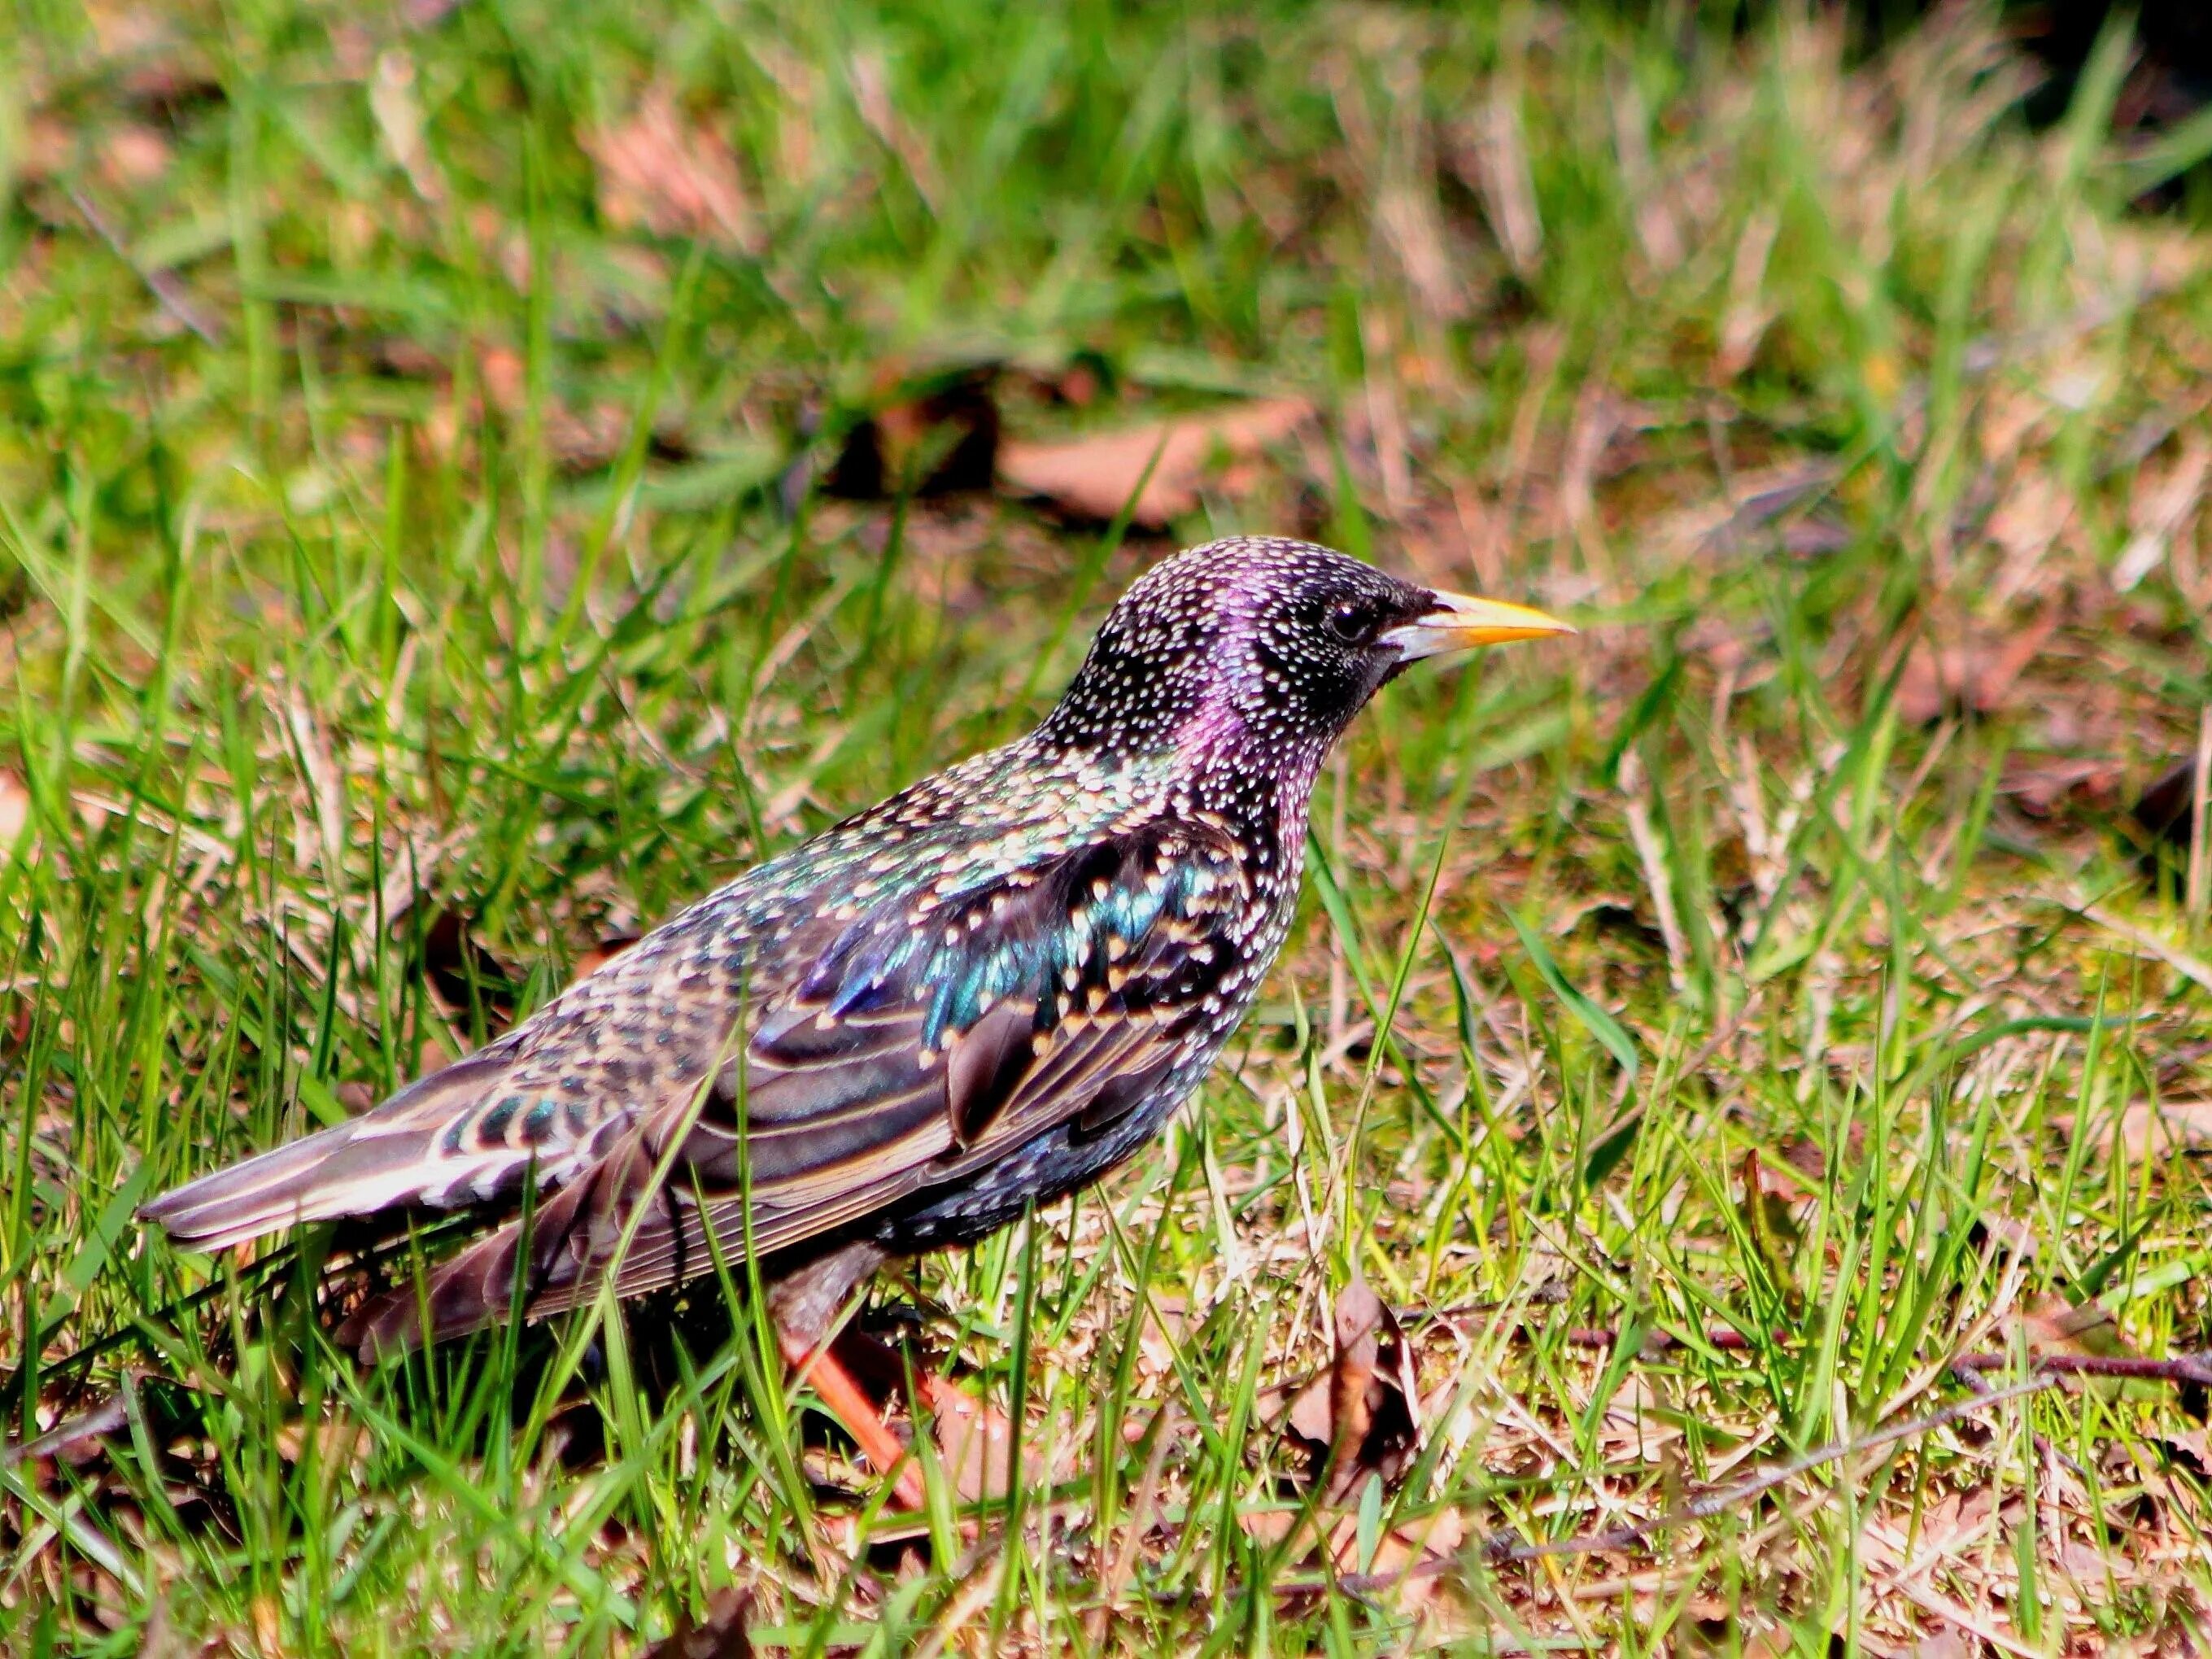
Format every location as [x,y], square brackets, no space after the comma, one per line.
[1263,649]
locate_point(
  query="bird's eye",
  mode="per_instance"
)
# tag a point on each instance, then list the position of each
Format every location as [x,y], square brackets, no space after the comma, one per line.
[1351,621]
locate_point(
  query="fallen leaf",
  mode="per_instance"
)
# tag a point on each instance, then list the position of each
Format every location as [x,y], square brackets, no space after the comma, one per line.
[1804,1155]
[1744,323]
[2161,506]
[14,808]
[674,177]
[1975,672]
[134,155]
[464,973]
[2008,1233]
[78,1440]
[2160,1128]
[720,1635]
[2033,514]
[1095,476]
[1753,502]
[1429,1537]
[580,440]
[933,434]
[504,376]
[973,1439]
[1945,1643]
[2051,1324]
[2041,784]
[398,115]
[1361,1417]
[339,1443]
[1493,156]
[1162,1332]
[2191,1444]
[2165,814]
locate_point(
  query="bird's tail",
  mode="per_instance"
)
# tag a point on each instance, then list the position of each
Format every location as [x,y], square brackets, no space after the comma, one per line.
[400,1153]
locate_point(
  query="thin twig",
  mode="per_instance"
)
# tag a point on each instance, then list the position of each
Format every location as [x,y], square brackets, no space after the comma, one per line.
[164,286]
[2181,1367]
[1657,1341]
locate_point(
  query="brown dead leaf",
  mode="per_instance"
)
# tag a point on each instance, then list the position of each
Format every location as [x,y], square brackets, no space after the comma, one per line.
[1750,510]
[1804,1155]
[1948,1642]
[2191,1444]
[720,1635]
[1361,1417]
[1162,1332]
[1432,1537]
[2010,1234]
[1425,1538]
[933,433]
[268,1625]
[1428,1538]
[974,1440]
[1975,672]
[676,178]
[132,156]
[1493,156]
[14,807]
[75,1441]
[2166,813]
[580,440]
[1744,323]
[2042,785]
[2051,1324]
[2036,511]
[504,376]
[337,1442]
[398,113]
[2157,1129]
[463,973]
[1094,477]
[2162,504]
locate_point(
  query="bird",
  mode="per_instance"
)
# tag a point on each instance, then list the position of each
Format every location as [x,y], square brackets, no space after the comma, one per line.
[978,995]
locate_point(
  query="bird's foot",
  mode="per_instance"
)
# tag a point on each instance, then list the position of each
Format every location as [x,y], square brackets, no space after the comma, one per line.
[851,1406]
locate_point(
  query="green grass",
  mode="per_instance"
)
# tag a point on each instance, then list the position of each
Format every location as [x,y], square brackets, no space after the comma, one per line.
[451,572]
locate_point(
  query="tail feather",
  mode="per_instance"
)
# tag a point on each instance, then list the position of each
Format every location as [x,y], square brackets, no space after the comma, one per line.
[327,1174]
[396,1154]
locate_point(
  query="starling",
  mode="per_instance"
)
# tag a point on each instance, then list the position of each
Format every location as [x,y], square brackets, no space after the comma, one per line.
[983,992]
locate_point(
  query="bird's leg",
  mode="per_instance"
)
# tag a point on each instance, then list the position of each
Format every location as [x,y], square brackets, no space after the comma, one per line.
[804,1305]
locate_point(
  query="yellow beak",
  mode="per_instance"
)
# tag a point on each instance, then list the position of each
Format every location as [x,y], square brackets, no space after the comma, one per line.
[1458,622]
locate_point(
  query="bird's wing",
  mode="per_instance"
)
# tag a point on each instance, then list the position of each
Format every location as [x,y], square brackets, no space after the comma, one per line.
[928,1034]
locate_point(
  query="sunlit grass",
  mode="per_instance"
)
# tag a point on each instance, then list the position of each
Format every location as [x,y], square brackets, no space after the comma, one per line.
[1754,1039]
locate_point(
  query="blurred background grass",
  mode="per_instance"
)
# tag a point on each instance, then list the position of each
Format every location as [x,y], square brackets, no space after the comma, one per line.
[473,476]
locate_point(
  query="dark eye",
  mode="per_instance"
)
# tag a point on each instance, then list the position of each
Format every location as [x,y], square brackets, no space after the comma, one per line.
[1351,621]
